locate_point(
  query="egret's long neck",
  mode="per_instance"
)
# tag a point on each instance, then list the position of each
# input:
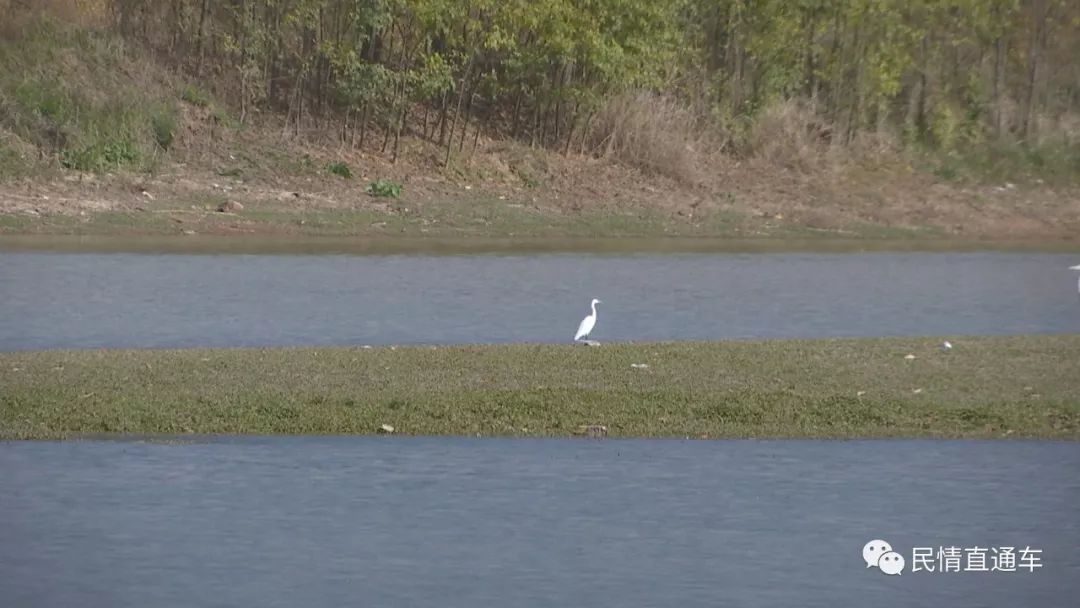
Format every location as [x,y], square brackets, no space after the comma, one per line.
[594,309]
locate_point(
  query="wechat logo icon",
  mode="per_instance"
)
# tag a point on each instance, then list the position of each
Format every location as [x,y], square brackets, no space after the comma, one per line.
[879,554]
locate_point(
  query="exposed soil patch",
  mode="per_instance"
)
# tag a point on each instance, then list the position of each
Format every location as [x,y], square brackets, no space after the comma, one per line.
[279,181]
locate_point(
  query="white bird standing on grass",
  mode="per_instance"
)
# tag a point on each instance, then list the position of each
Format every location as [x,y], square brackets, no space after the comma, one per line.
[587,324]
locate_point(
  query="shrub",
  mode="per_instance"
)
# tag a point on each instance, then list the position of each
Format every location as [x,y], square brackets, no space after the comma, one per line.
[788,134]
[163,123]
[384,188]
[195,96]
[100,156]
[340,169]
[651,132]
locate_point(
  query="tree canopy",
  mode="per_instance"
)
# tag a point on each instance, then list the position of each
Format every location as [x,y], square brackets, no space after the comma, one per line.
[938,72]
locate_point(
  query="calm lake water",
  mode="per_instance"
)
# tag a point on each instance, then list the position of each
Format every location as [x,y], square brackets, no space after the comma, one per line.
[476,522]
[64,300]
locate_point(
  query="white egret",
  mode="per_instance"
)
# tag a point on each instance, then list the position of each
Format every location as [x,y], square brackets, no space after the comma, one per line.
[588,323]
[1077,267]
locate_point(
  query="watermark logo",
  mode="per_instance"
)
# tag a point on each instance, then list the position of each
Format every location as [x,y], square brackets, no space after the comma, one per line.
[891,563]
[880,554]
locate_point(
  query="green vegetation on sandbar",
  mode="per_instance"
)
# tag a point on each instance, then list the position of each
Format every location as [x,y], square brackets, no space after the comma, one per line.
[984,387]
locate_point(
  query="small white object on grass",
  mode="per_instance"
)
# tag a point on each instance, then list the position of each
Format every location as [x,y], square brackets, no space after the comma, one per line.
[587,324]
[639,365]
[909,356]
[946,345]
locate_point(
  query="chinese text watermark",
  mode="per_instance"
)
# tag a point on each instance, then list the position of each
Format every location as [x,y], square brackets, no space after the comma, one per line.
[945,559]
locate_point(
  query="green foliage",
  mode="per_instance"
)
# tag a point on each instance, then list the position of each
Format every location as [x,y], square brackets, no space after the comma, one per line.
[223,117]
[340,169]
[384,188]
[71,94]
[1054,161]
[195,96]
[358,82]
[100,156]
[928,69]
[163,124]
[841,388]
[948,75]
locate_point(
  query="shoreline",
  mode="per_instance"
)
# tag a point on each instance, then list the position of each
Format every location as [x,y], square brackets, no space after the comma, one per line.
[1018,387]
[466,245]
[240,439]
[806,213]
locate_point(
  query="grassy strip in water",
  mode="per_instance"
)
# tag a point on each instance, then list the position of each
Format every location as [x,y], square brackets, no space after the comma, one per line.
[984,387]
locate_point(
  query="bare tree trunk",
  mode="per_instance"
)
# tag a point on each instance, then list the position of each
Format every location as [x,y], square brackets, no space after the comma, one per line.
[856,92]
[364,109]
[403,113]
[243,97]
[544,123]
[535,125]
[387,129]
[570,132]
[457,111]
[1040,10]
[585,129]
[809,78]
[199,39]
[476,140]
[557,131]
[468,115]
[352,132]
[921,124]
[145,21]
[443,111]
[177,17]
[243,62]
[559,76]
[833,109]
[404,59]
[273,60]
[999,78]
[516,124]
[296,102]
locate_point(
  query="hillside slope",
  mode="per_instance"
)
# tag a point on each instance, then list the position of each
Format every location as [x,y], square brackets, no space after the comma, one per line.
[98,136]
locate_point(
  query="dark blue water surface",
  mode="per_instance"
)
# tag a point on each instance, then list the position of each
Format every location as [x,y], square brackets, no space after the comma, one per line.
[58,300]
[331,522]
